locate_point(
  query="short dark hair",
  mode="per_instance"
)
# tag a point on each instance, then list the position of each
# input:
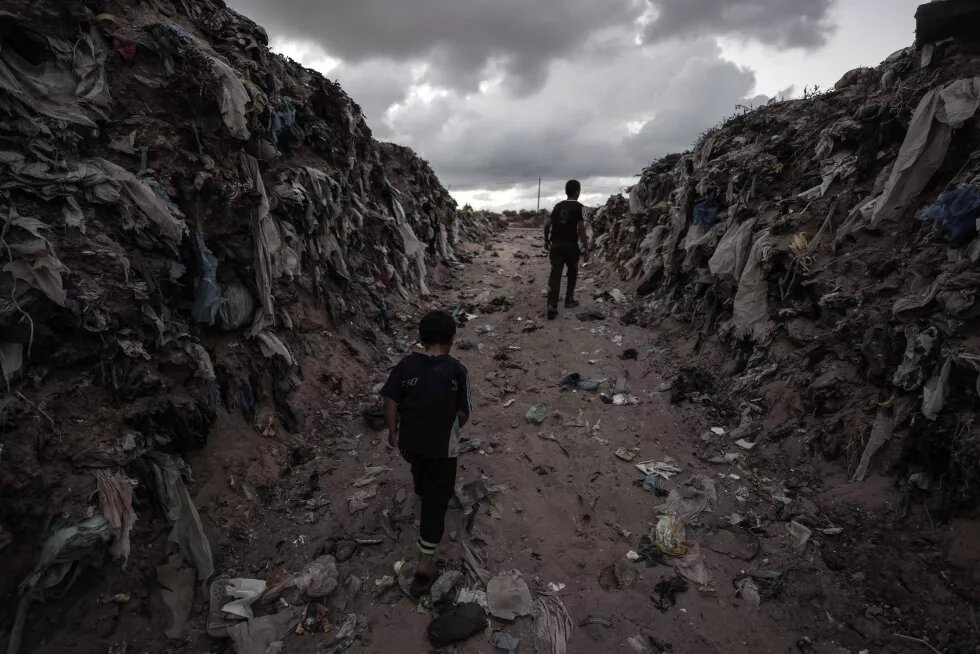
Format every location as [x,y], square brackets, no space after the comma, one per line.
[572,187]
[437,328]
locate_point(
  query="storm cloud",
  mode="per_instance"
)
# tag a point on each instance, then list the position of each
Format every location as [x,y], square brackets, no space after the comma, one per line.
[782,23]
[497,93]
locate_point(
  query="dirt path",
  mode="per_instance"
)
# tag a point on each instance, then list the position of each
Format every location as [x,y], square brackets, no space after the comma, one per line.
[565,509]
[570,509]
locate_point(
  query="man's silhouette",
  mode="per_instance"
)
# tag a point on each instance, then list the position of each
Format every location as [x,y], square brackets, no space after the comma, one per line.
[562,231]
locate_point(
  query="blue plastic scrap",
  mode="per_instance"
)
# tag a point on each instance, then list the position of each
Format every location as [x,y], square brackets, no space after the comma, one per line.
[503,640]
[281,119]
[706,211]
[207,294]
[955,212]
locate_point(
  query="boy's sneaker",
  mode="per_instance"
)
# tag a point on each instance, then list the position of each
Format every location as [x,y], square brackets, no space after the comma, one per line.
[570,304]
[552,313]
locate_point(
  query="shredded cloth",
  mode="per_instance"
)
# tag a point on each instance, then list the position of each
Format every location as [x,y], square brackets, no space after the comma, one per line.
[552,625]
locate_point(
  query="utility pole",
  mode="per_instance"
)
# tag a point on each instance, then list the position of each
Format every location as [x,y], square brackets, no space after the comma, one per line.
[539,194]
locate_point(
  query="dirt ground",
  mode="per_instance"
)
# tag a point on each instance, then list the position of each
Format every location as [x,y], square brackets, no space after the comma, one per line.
[565,509]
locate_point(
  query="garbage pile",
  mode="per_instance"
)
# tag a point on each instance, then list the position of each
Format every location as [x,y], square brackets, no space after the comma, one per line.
[182,215]
[829,244]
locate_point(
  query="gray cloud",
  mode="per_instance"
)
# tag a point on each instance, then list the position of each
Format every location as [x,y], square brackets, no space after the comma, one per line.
[496,93]
[576,125]
[781,23]
[462,36]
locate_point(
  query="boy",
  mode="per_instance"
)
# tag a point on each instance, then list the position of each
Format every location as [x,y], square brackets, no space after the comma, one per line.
[562,231]
[426,402]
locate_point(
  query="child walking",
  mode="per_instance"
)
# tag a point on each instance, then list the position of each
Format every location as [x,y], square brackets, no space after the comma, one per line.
[426,402]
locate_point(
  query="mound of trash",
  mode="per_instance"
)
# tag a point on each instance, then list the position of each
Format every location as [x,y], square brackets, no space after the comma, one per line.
[182,213]
[829,245]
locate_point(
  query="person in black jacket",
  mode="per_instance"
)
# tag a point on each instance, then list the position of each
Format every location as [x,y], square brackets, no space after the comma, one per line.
[562,231]
[426,403]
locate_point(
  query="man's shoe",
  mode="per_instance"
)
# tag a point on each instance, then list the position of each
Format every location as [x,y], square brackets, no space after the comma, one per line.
[552,313]
[570,304]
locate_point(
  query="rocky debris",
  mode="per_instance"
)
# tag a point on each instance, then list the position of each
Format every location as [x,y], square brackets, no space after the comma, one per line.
[186,217]
[829,246]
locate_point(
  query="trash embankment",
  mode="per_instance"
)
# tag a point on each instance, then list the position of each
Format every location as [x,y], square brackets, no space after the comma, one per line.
[184,215]
[829,246]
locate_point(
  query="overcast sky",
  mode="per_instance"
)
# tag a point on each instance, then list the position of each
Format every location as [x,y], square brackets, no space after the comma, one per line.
[497,93]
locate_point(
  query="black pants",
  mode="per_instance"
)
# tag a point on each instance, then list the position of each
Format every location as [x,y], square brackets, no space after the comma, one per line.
[435,485]
[562,255]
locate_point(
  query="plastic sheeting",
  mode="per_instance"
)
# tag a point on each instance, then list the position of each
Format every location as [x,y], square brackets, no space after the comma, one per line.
[733,249]
[955,212]
[116,502]
[750,313]
[207,295]
[939,112]
[99,180]
[236,307]
[552,625]
[11,359]
[265,237]
[188,531]
[84,542]
[50,89]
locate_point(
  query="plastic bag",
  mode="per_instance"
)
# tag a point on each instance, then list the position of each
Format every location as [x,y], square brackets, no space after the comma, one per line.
[671,535]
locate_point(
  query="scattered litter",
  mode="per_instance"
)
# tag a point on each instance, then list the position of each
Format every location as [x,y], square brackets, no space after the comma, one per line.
[621,399]
[359,500]
[484,329]
[667,591]
[118,598]
[316,579]
[655,484]
[629,354]
[473,596]
[691,565]
[591,315]
[265,634]
[741,493]
[508,596]
[627,453]
[552,625]
[575,380]
[747,589]
[660,468]
[800,534]
[744,444]
[554,587]
[444,585]
[638,645]
[718,431]
[671,537]
[456,624]
[536,414]
[728,457]
[509,402]
[245,593]
[504,641]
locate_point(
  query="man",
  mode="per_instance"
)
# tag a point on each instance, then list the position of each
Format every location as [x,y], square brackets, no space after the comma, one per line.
[562,231]
[426,403]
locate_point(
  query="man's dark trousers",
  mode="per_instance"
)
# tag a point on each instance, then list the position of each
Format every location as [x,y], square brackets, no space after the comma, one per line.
[562,255]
